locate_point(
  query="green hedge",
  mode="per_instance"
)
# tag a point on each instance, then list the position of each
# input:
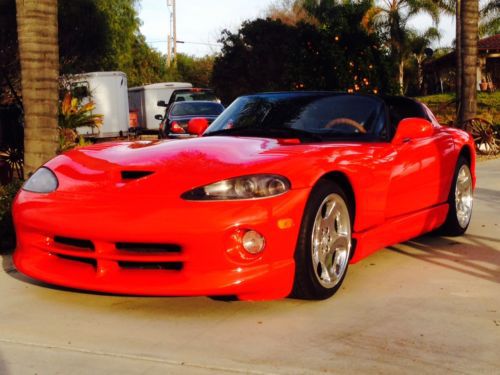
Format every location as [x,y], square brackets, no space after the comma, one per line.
[488,106]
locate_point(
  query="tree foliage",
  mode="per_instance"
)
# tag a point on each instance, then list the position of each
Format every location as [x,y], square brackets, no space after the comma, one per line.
[489,23]
[391,18]
[94,35]
[196,70]
[335,52]
[10,77]
[148,65]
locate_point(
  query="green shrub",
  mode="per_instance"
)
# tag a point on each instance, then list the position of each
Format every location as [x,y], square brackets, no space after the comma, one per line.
[443,106]
[7,235]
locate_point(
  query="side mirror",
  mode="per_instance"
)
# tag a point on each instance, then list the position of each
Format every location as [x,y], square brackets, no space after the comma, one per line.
[411,128]
[161,103]
[197,126]
[159,117]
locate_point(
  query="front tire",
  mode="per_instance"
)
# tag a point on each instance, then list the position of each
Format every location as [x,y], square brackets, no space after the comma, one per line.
[324,245]
[460,201]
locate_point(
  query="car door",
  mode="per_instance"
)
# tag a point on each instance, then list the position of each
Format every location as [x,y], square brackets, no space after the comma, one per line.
[420,173]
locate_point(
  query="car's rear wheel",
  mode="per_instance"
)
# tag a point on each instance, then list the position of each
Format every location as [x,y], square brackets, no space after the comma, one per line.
[324,245]
[460,201]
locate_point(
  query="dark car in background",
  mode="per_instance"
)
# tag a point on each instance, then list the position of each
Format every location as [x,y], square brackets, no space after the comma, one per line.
[189,95]
[175,123]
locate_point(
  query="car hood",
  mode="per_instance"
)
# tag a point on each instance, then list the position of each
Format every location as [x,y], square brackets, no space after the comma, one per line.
[175,166]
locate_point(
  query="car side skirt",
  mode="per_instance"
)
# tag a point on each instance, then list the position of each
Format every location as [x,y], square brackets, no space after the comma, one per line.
[398,230]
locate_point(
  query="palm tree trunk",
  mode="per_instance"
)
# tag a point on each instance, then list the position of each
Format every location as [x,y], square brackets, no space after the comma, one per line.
[401,76]
[39,55]
[420,75]
[458,55]
[469,35]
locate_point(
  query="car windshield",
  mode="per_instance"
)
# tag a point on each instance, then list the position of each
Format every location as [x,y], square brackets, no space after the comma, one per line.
[192,95]
[196,109]
[318,115]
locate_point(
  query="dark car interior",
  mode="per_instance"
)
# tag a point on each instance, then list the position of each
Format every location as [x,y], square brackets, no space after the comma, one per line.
[318,115]
[399,108]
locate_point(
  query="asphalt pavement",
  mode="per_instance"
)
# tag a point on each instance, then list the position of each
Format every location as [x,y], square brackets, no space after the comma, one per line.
[428,306]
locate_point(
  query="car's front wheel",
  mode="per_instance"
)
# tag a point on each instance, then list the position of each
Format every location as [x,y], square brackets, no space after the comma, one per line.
[324,245]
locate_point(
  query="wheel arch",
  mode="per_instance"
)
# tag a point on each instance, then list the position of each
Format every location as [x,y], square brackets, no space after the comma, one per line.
[466,152]
[341,179]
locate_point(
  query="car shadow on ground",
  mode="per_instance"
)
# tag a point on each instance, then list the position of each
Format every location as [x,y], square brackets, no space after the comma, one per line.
[7,263]
[470,254]
[162,305]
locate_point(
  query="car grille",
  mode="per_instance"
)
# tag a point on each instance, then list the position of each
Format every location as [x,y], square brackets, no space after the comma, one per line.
[126,255]
[148,248]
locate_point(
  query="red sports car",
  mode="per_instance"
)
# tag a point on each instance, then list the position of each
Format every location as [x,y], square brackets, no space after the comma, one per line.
[277,197]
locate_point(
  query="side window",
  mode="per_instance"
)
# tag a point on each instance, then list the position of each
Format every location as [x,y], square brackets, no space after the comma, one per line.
[401,108]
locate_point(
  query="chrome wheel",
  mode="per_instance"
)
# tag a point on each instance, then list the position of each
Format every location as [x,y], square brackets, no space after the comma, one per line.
[463,196]
[331,241]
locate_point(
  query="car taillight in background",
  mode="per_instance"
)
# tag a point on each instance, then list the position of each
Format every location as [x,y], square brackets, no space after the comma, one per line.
[176,128]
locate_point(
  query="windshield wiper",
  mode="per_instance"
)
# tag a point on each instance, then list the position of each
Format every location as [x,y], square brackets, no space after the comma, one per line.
[269,132]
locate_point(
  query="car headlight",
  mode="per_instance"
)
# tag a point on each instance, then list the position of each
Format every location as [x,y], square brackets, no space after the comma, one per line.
[42,181]
[245,187]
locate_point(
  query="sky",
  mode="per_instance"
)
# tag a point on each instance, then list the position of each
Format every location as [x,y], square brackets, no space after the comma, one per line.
[200,22]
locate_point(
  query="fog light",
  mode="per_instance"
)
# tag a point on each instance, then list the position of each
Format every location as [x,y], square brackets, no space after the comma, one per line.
[253,242]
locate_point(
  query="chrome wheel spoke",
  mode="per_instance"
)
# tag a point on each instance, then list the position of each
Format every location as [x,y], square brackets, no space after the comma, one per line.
[331,241]
[463,196]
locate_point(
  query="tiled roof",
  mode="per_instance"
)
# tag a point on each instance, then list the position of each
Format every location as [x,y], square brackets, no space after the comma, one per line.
[492,42]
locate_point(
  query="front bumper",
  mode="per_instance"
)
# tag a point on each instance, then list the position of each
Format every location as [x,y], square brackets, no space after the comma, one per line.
[77,242]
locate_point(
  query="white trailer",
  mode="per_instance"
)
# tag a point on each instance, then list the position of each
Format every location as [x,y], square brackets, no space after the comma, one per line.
[108,91]
[143,100]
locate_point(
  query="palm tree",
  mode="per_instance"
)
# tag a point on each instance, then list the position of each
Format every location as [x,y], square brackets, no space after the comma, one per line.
[393,16]
[419,44]
[489,24]
[39,55]
[469,20]
[489,18]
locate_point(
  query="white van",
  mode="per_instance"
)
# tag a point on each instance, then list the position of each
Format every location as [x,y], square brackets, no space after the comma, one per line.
[108,91]
[143,101]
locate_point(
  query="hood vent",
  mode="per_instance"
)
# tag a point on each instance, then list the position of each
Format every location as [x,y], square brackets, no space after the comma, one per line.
[135,175]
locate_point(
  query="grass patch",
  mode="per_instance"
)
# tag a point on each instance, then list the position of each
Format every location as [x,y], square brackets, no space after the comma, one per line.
[488,106]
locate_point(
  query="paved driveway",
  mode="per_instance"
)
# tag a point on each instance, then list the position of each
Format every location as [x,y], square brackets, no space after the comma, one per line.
[431,305]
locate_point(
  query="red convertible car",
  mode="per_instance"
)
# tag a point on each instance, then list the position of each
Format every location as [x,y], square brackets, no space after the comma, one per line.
[277,197]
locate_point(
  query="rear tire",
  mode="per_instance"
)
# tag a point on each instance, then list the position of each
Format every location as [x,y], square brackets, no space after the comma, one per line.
[324,245]
[460,201]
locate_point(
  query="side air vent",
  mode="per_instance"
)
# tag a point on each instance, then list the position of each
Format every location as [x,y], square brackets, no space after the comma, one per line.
[135,175]
[74,242]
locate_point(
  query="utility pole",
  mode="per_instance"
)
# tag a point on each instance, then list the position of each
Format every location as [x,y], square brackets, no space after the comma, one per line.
[172,33]
[175,30]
